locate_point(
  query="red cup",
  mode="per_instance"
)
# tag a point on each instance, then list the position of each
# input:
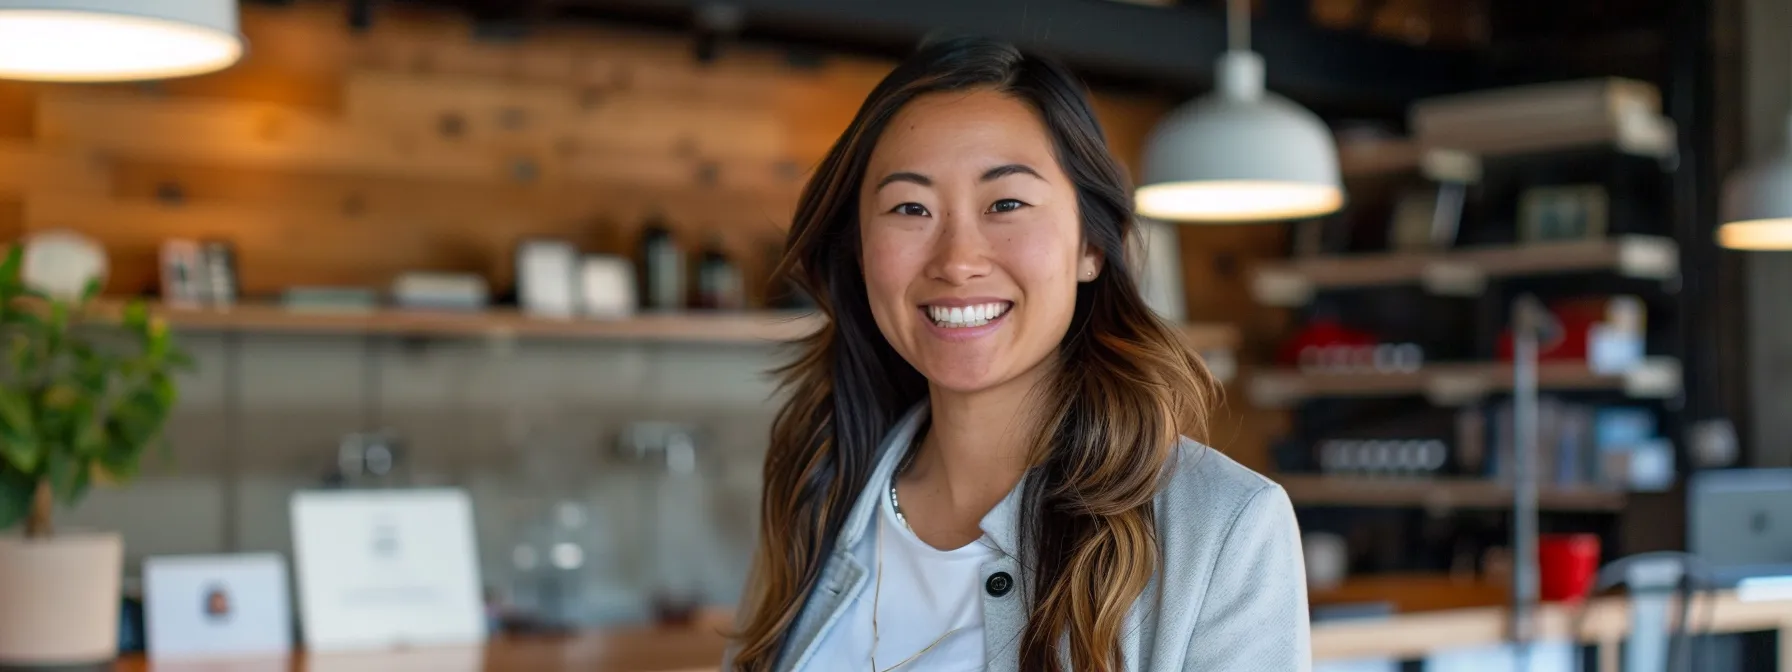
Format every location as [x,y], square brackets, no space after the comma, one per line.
[1567,564]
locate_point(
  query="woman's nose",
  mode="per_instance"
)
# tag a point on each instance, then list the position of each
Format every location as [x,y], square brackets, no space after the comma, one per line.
[962,252]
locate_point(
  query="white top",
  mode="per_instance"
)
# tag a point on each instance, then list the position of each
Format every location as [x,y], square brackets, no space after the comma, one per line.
[925,593]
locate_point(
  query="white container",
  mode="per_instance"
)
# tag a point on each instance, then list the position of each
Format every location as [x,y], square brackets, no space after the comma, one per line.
[59,599]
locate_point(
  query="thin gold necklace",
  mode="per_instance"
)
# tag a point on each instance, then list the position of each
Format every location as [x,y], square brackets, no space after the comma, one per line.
[878,590]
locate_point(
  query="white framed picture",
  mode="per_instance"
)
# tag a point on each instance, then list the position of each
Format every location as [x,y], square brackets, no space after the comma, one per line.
[381,569]
[216,606]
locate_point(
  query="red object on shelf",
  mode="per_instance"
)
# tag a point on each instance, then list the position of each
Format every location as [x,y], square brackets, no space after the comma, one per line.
[1575,319]
[1568,341]
[1567,564]
[1321,333]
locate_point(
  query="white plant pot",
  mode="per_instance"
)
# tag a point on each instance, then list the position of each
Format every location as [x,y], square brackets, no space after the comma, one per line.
[59,600]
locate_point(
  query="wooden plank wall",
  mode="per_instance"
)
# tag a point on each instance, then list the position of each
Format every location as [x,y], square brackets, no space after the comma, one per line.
[334,157]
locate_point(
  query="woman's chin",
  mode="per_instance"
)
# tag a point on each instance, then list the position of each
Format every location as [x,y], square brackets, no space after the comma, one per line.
[967,375]
[960,378]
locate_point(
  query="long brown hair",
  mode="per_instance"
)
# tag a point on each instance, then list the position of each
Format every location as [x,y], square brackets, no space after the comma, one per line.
[1111,422]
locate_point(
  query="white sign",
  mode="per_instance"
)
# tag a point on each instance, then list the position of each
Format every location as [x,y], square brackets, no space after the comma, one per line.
[216,606]
[386,569]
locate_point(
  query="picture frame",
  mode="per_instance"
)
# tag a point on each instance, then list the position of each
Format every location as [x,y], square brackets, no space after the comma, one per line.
[384,569]
[217,606]
[1563,213]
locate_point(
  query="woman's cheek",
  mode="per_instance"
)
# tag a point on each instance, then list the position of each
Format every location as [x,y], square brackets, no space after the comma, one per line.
[1035,258]
[889,267]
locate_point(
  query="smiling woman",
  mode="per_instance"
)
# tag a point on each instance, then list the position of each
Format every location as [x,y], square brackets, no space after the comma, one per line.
[984,462]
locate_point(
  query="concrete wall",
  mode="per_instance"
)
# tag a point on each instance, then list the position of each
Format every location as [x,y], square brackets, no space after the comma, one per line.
[526,427]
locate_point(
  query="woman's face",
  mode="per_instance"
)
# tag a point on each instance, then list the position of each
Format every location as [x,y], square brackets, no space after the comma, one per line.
[971,242]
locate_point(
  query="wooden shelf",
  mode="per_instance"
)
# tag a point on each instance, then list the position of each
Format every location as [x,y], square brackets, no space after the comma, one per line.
[1378,156]
[1451,384]
[1463,271]
[1652,136]
[719,327]
[1436,493]
[693,327]
[1383,156]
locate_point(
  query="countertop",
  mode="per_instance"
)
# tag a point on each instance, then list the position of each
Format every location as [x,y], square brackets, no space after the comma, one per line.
[1405,636]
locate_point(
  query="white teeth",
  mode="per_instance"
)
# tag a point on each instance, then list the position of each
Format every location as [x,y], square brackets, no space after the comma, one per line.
[966,316]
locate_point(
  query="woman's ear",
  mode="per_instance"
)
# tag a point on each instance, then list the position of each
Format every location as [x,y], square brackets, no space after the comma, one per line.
[1088,266]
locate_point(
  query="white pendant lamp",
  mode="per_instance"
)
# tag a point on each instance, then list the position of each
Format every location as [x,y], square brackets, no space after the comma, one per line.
[1241,154]
[1758,203]
[116,40]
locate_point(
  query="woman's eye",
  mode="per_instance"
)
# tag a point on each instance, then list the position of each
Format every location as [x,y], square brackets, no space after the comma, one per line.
[910,209]
[1006,205]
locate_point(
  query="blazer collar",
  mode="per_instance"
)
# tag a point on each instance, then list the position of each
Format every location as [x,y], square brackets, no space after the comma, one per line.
[895,445]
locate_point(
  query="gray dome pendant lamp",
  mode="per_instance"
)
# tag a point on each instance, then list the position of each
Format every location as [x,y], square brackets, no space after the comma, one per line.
[1241,154]
[1757,205]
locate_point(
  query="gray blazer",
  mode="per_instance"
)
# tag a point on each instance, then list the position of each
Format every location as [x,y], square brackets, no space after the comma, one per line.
[1229,594]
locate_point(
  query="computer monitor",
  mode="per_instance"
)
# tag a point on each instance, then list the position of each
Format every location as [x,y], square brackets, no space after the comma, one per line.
[1739,522]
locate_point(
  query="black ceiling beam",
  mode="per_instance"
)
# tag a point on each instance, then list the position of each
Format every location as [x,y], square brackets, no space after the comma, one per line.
[1174,46]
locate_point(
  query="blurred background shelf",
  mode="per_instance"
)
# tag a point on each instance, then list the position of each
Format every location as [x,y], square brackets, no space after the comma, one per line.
[719,327]
[1456,383]
[694,327]
[1294,283]
[1438,493]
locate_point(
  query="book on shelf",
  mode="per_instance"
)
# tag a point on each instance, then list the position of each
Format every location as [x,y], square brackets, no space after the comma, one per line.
[1582,445]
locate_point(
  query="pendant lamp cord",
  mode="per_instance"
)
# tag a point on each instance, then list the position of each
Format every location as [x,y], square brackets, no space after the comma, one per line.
[1238,25]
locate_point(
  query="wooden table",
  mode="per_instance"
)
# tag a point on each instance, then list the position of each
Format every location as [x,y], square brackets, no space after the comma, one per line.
[643,650]
[1405,636]
[1605,624]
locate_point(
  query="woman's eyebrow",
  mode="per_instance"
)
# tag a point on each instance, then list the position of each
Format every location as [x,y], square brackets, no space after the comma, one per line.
[1000,172]
[916,178]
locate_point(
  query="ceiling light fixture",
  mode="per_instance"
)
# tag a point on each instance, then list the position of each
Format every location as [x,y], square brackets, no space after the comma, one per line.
[1241,154]
[116,40]
[1758,202]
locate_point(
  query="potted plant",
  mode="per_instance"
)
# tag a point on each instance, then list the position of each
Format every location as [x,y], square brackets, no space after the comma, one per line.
[83,396]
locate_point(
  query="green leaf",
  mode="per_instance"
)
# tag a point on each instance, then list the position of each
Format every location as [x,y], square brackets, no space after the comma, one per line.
[57,328]
[61,396]
[9,269]
[179,359]
[65,476]
[24,318]
[15,409]
[122,461]
[162,386]
[76,488]
[20,450]
[90,290]
[136,315]
[90,439]
[15,497]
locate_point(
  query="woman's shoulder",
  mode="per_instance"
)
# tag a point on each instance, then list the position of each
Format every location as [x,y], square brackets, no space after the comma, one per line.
[1206,495]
